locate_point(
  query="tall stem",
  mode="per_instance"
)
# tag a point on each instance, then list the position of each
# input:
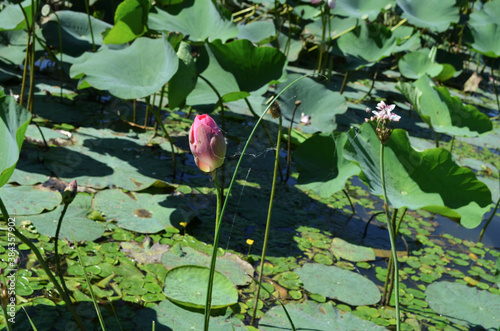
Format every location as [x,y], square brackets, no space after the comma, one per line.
[40,258]
[56,249]
[268,224]
[391,237]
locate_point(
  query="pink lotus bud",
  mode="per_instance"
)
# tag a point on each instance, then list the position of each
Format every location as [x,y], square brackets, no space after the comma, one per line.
[207,143]
[313,2]
[70,193]
[331,4]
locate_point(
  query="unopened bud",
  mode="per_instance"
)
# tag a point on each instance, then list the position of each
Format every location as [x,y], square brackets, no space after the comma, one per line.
[69,193]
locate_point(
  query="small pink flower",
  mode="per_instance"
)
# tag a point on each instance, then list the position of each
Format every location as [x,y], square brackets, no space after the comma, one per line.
[207,143]
[305,119]
[331,4]
[313,2]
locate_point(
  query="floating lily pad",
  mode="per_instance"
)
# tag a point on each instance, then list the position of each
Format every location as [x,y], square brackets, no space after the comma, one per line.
[430,14]
[230,265]
[351,252]
[140,212]
[428,180]
[144,255]
[75,221]
[172,317]
[339,284]
[464,305]
[310,315]
[29,200]
[187,286]
[146,72]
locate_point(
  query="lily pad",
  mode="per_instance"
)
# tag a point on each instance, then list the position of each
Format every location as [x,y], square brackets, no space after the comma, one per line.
[172,317]
[139,212]
[214,24]
[339,284]
[14,121]
[321,164]
[428,180]
[310,315]
[230,265]
[351,252]
[363,9]
[144,255]
[146,72]
[187,286]
[436,16]
[464,305]
[320,103]
[29,200]
[258,32]
[75,222]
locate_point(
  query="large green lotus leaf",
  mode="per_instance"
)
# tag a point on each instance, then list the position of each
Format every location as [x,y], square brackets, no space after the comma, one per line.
[417,64]
[320,103]
[291,46]
[339,284]
[146,71]
[435,15]
[363,9]
[187,286]
[464,305]
[105,158]
[337,26]
[14,121]
[351,252]
[485,29]
[230,265]
[12,16]
[310,315]
[169,317]
[428,180]
[253,67]
[444,113]
[213,24]
[139,212]
[75,32]
[29,200]
[259,32]
[321,163]
[131,17]
[29,170]
[366,45]
[184,80]
[75,221]
[13,46]
[407,38]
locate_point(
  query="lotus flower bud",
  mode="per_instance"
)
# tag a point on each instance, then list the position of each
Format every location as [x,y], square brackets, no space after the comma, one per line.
[70,193]
[207,143]
[331,4]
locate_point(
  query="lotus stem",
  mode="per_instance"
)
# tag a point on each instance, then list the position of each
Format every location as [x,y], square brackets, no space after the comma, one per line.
[488,222]
[391,237]
[268,223]
[350,201]
[56,249]
[289,147]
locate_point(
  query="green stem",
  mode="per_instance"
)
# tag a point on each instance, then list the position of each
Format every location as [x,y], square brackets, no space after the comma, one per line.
[452,142]
[90,24]
[217,231]
[56,249]
[488,222]
[268,224]
[437,139]
[289,147]
[391,237]
[219,198]
[38,255]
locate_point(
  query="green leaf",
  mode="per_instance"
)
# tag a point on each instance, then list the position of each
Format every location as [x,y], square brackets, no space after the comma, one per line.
[187,286]
[184,80]
[366,45]
[13,47]
[213,24]
[310,315]
[14,121]
[75,221]
[415,65]
[464,305]
[321,164]
[131,18]
[351,252]
[253,67]
[259,32]
[150,64]
[339,284]
[28,200]
[320,103]
[75,30]
[428,180]
[12,16]
[230,265]
[170,316]
[139,212]
[485,29]
[435,15]
[363,9]
[444,113]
